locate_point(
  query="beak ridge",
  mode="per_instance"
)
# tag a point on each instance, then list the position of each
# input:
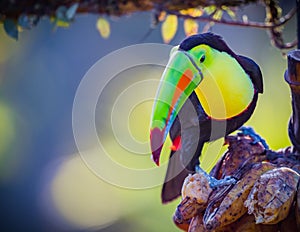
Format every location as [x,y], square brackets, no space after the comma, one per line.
[179,80]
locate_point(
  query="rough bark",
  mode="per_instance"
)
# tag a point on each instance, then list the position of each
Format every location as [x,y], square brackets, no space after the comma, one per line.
[292,76]
[262,175]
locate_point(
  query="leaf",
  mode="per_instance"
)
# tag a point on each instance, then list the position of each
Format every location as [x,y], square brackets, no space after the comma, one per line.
[61,23]
[245,18]
[61,19]
[162,16]
[24,22]
[11,29]
[103,27]
[210,9]
[190,27]
[27,21]
[184,12]
[194,12]
[213,11]
[65,15]
[70,13]
[169,28]
[218,15]
[229,11]
[61,13]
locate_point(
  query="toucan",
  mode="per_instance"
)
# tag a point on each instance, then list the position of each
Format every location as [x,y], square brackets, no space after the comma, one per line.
[205,93]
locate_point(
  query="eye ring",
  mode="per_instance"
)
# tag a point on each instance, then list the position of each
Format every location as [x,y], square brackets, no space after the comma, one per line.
[202,58]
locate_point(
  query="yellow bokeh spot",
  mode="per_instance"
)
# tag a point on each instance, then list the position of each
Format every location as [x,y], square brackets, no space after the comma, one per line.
[81,198]
[211,153]
[139,121]
[190,27]
[169,28]
[103,27]
[7,130]
[8,162]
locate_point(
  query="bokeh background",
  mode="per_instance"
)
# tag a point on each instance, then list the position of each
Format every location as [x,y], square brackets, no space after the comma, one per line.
[44,183]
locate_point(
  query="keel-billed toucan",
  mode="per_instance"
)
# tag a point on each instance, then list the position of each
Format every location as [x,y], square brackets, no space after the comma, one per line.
[206,92]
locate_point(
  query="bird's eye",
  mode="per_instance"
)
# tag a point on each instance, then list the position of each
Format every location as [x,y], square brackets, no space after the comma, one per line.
[202,58]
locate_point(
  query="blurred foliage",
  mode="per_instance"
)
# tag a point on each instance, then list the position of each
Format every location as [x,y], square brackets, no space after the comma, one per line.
[62,18]
[103,27]
[208,12]
[169,28]
[7,133]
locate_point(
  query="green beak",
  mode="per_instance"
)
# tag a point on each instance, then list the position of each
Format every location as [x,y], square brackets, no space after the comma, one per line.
[179,79]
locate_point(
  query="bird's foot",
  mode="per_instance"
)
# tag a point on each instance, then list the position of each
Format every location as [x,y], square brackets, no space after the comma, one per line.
[199,170]
[228,180]
[256,137]
[215,183]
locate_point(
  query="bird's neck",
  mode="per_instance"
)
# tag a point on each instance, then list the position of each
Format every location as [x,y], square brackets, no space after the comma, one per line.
[226,90]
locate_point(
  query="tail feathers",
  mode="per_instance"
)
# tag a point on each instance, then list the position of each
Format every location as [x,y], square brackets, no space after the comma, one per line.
[174,179]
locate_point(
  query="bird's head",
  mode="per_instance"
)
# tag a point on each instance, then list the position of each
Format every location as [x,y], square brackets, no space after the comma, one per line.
[205,64]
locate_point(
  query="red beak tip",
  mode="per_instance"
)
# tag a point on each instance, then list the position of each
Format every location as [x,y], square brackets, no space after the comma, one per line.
[156,139]
[155,159]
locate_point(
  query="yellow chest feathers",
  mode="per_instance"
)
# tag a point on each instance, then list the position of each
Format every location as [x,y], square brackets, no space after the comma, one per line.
[226,89]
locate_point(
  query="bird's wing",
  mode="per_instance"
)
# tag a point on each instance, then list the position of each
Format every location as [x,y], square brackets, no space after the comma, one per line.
[183,161]
[190,125]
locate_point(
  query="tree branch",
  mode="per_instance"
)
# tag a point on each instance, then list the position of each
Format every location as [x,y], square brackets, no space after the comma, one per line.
[262,25]
[292,77]
[13,9]
[27,13]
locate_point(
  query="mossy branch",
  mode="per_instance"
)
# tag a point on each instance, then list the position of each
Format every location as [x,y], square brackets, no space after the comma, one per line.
[13,9]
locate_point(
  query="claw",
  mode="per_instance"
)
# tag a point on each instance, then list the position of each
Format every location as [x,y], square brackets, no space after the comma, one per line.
[215,183]
[256,137]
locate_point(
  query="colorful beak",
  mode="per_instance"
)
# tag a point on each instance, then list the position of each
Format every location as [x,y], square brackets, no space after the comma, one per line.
[179,79]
